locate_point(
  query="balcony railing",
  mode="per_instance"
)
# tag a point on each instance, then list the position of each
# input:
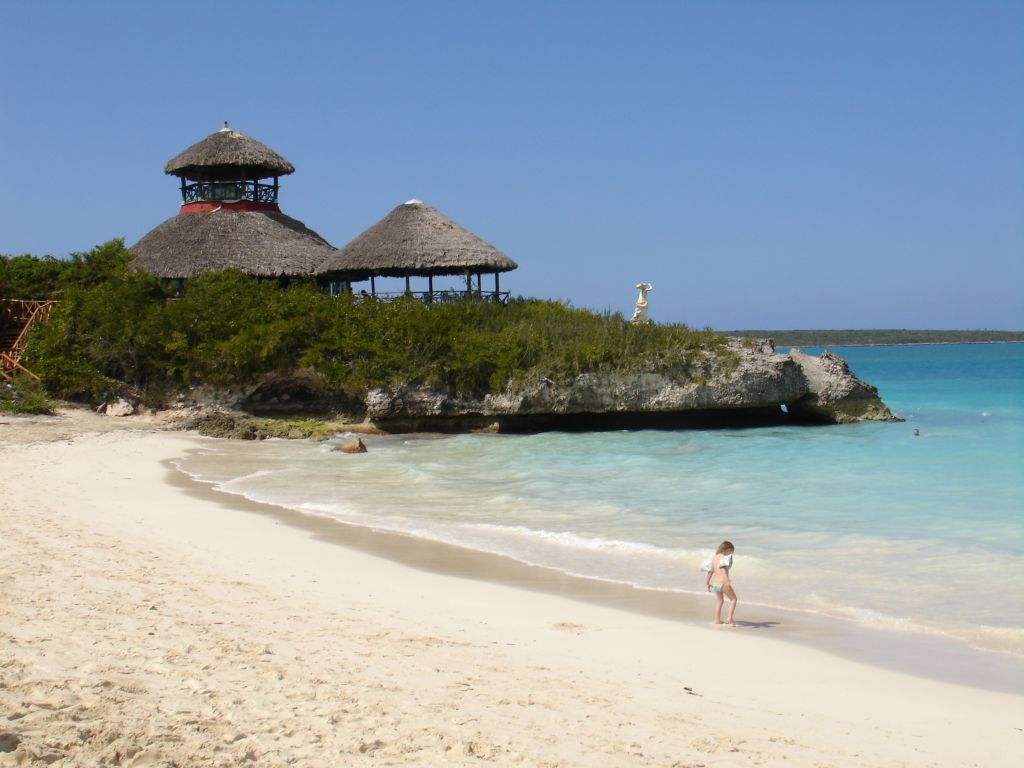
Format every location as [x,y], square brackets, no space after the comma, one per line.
[229,192]
[440,297]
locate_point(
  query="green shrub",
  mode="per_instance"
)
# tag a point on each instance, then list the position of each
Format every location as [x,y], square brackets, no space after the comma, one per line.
[114,328]
[29,277]
[24,395]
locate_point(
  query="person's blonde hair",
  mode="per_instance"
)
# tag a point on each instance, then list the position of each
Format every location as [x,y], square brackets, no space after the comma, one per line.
[725,546]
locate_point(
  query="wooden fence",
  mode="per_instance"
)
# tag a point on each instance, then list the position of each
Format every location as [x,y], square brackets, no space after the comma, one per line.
[16,318]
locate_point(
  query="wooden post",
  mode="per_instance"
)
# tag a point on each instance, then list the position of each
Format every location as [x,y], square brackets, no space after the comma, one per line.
[407,284]
[497,288]
[479,285]
[430,288]
[373,286]
[469,284]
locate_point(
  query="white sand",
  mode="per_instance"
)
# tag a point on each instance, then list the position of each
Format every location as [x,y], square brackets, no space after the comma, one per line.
[143,625]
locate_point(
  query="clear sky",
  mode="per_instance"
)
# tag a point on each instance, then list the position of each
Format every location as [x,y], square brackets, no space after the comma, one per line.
[774,164]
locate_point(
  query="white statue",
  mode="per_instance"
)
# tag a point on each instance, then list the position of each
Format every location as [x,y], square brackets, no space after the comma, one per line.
[640,313]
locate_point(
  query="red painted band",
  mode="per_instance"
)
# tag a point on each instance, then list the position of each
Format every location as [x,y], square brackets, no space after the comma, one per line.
[242,205]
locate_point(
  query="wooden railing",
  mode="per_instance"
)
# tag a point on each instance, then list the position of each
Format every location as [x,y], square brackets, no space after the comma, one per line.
[10,365]
[16,318]
[440,297]
[229,191]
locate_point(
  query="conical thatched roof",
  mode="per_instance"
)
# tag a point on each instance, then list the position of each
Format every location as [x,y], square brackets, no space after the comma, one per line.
[222,155]
[260,243]
[415,239]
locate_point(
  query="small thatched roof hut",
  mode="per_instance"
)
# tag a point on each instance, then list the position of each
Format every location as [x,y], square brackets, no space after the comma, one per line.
[229,217]
[416,239]
[224,154]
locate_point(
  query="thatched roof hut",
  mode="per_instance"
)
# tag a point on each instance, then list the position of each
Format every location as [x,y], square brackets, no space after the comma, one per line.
[229,218]
[416,239]
[228,154]
[260,243]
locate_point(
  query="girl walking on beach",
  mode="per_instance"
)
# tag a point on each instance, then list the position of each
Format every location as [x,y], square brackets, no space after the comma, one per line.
[719,582]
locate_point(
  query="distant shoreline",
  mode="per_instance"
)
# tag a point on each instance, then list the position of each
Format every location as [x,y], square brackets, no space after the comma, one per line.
[900,343]
[878,338]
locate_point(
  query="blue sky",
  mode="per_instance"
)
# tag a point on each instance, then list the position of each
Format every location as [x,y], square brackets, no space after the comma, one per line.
[764,164]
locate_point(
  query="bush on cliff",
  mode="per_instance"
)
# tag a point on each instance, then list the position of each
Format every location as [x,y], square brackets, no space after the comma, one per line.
[114,327]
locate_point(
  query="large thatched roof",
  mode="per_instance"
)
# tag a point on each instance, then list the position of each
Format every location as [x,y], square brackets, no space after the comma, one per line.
[415,239]
[224,154]
[258,243]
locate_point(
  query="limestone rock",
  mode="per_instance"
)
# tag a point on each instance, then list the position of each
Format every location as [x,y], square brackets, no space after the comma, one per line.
[352,446]
[119,407]
[747,382]
[834,393]
[741,383]
[273,394]
[223,424]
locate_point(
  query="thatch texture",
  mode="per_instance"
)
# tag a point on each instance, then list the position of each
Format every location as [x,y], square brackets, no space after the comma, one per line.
[415,239]
[257,243]
[223,155]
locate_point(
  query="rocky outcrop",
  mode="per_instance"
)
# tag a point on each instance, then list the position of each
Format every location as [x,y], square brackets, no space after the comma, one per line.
[215,422]
[743,384]
[223,424]
[302,392]
[119,407]
[834,394]
[352,446]
[747,384]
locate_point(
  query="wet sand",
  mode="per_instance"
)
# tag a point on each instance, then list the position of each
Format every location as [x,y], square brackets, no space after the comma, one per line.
[935,657]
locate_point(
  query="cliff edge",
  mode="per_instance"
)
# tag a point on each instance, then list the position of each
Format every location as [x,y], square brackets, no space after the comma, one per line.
[747,384]
[741,384]
[834,395]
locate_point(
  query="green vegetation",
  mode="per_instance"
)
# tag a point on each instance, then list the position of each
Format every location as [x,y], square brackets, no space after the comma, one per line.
[853,338]
[116,331]
[24,395]
[31,277]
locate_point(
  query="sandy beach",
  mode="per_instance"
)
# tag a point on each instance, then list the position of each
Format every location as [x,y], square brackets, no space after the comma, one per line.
[144,620]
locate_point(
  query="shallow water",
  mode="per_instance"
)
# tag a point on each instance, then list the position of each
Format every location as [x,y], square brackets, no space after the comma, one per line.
[862,521]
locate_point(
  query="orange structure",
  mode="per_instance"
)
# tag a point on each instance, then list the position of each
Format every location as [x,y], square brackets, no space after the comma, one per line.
[16,317]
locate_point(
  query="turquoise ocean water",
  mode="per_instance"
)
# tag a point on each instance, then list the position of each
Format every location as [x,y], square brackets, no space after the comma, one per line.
[865,521]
